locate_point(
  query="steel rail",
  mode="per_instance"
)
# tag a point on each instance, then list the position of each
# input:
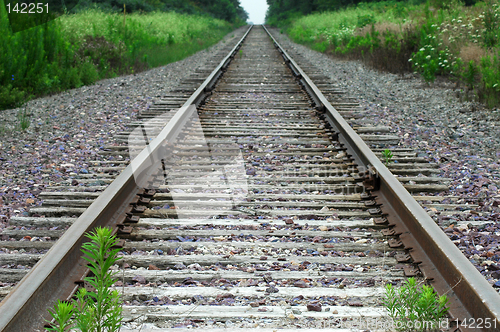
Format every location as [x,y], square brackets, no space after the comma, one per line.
[442,263]
[55,275]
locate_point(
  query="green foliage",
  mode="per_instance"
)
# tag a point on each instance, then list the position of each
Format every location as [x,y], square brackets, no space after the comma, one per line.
[79,49]
[24,120]
[387,155]
[435,38]
[228,10]
[490,72]
[470,75]
[10,96]
[101,310]
[102,53]
[491,23]
[284,12]
[364,20]
[97,310]
[61,314]
[88,73]
[412,303]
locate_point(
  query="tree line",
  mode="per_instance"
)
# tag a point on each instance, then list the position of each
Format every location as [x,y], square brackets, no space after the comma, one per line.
[228,10]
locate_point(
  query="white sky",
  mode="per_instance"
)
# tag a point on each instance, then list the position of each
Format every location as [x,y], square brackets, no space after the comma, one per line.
[256,10]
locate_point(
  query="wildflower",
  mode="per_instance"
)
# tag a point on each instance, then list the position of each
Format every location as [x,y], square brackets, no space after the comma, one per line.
[422,49]
[428,57]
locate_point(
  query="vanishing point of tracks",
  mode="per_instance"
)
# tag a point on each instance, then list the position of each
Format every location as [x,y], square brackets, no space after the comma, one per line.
[256,206]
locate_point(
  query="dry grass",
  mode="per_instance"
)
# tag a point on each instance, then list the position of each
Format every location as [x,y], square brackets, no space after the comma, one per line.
[382,27]
[473,52]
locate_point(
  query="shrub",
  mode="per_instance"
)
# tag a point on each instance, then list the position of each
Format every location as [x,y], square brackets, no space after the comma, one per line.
[98,310]
[88,73]
[364,20]
[10,97]
[101,52]
[412,303]
[81,48]
[490,72]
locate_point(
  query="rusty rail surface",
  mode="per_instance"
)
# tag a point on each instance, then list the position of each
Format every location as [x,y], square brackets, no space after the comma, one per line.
[442,263]
[57,274]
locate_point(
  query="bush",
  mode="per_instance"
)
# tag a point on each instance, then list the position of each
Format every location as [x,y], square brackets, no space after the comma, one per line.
[408,36]
[411,304]
[82,48]
[98,309]
[490,72]
[10,97]
[101,52]
[88,73]
[364,20]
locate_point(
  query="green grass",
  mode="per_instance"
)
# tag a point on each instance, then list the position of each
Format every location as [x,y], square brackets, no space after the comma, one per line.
[436,38]
[339,26]
[155,27]
[79,49]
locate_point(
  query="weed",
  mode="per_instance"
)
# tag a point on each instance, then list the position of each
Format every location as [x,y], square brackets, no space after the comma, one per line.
[97,310]
[364,20]
[470,75]
[61,314]
[387,154]
[411,304]
[23,117]
[241,54]
[10,96]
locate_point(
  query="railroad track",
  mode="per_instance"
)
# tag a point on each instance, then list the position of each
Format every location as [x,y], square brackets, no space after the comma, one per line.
[258,208]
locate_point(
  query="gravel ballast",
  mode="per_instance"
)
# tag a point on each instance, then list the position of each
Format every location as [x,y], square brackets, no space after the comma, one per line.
[69,129]
[463,137]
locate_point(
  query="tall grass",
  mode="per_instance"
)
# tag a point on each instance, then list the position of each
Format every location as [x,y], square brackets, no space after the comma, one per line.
[436,38]
[79,49]
[154,39]
[332,29]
